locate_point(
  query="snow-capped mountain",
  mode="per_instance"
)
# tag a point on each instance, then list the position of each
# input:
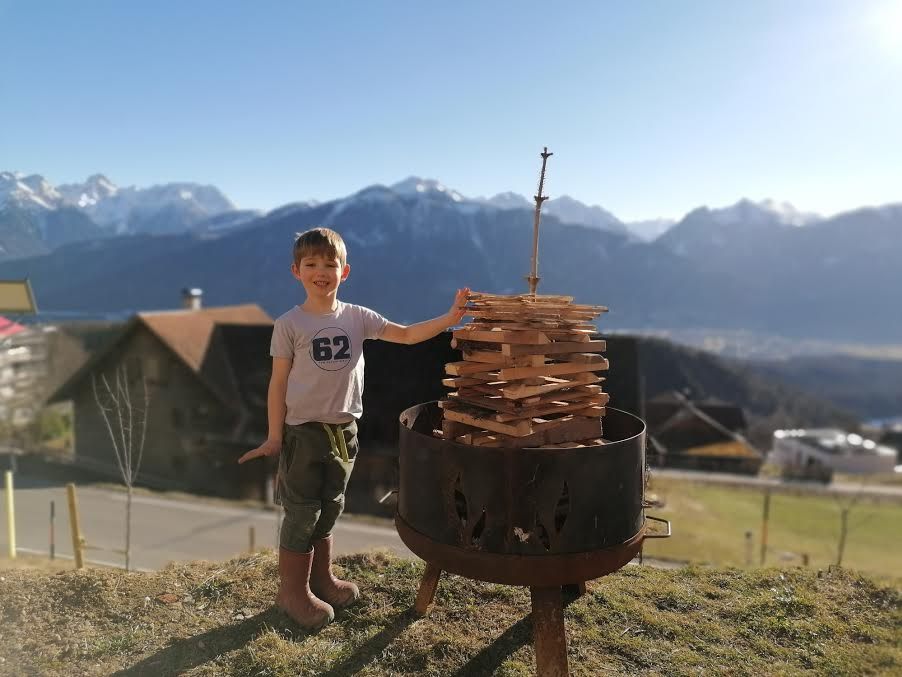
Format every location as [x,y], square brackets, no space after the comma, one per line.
[94,190]
[36,216]
[27,192]
[565,209]
[650,229]
[707,232]
[837,280]
[747,213]
[414,185]
[569,210]
[167,208]
[508,200]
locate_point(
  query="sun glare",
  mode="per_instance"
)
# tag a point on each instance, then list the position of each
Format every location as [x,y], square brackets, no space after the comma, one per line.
[885,27]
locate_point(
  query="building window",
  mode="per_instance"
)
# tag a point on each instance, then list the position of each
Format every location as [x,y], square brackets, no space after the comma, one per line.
[155,370]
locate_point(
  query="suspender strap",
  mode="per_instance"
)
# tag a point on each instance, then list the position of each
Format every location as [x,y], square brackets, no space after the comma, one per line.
[341,448]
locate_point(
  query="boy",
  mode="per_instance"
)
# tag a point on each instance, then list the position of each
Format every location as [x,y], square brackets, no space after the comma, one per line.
[314,401]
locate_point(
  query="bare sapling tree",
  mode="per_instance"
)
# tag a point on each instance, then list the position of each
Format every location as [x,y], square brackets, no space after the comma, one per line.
[846,504]
[126,422]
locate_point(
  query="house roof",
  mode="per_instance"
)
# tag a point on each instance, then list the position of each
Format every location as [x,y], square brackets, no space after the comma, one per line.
[676,423]
[8,327]
[188,332]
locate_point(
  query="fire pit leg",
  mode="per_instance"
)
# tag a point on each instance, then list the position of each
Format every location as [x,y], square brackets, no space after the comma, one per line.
[549,635]
[574,589]
[428,584]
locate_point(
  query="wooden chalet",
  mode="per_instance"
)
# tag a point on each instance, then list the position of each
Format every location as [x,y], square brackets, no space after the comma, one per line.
[207,372]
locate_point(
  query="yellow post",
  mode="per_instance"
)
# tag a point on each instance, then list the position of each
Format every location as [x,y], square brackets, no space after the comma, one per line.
[77,540]
[10,513]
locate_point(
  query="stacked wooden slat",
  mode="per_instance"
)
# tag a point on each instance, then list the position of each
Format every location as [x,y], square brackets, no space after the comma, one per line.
[527,378]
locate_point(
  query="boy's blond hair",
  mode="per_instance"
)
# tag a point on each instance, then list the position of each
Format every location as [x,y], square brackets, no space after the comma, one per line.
[320,242]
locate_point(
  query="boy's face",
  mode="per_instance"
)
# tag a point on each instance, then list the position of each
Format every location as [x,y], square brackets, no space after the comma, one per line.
[320,275]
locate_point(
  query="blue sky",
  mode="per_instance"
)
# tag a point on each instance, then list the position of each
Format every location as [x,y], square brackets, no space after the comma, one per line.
[651,108]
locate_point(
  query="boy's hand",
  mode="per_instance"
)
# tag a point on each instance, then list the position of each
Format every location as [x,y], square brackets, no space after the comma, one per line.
[458,308]
[268,448]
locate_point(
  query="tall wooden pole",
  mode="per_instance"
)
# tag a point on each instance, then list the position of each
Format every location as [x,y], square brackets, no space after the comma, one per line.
[10,513]
[764,521]
[77,540]
[533,278]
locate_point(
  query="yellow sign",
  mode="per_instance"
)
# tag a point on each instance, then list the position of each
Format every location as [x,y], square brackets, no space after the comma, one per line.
[16,297]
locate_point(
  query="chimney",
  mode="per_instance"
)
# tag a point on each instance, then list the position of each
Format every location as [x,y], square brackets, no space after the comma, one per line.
[192,298]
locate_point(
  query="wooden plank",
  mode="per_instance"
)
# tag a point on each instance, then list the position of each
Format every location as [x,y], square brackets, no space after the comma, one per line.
[452,429]
[569,335]
[568,395]
[521,307]
[518,337]
[497,358]
[574,429]
[468,368]
[586,358]
[516,391]
[464,345]
[513,373]
[556,348]
[570,421]
[539,298]
[521,314]
[577,408]
[518,429]
[462,381]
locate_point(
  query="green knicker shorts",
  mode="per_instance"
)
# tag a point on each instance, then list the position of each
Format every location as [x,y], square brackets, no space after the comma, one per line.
[314,468]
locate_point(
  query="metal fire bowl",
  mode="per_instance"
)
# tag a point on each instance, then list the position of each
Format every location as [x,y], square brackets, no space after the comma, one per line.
[522,516]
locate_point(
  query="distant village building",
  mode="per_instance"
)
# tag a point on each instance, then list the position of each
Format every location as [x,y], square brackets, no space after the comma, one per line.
[30,365]
[699,436]
[832,450]
[207,372]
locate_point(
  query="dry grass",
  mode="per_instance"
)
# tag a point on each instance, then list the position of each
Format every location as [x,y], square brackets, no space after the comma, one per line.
[216,619]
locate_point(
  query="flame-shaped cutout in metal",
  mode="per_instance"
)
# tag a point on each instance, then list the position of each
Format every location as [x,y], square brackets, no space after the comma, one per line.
[460,501]
[542,533]
[478,528]
[562,509]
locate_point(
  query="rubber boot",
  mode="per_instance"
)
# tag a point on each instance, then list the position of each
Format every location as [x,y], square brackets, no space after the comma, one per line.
[336,592]
[294,596]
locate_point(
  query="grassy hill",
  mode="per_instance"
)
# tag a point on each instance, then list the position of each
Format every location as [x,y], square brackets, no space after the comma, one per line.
[771,400]
[217,619]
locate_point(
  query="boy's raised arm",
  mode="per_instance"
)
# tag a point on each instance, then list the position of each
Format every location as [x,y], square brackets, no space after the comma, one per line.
[275,410]
[414,333]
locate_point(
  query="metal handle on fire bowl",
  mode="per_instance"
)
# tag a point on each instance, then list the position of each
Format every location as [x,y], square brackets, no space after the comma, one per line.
[658,519]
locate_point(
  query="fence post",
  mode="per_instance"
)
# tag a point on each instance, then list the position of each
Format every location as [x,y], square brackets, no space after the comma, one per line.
[52,529]
[251,537]
[765,519]
[10,513]
[77,540]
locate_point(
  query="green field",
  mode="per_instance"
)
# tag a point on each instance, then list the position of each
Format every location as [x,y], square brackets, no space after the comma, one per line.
[710,524]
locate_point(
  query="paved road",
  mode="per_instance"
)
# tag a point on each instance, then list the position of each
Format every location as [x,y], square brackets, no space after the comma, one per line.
[842,488]
[166,530]
[163,530]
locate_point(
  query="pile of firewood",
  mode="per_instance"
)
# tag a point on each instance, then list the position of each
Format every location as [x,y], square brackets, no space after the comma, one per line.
[527,378]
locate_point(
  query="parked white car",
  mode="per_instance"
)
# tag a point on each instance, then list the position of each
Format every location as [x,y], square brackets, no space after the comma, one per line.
[831,448]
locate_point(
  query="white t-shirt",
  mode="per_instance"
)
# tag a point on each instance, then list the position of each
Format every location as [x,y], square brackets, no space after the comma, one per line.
[326,379]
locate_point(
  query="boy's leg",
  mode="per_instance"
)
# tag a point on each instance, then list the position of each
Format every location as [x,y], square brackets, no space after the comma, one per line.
[301,475]
[337,473]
